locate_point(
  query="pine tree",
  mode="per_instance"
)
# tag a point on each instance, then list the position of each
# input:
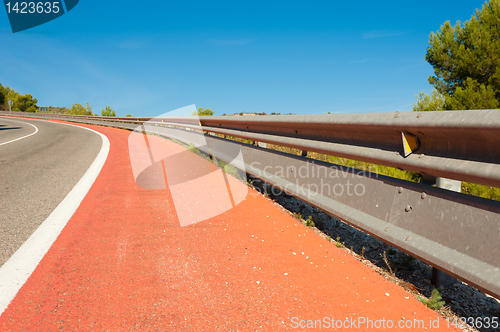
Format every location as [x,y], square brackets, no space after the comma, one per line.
[466,60]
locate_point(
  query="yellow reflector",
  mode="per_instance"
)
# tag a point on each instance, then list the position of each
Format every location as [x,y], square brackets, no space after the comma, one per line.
[410,143]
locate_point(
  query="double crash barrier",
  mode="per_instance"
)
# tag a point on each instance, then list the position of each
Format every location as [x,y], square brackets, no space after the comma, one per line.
[454,232]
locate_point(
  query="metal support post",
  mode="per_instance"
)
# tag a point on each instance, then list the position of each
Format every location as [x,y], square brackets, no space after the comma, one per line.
[440,278]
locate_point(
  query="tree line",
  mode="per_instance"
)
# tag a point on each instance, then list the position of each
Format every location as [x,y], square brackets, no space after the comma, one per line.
[27,103]
[466,61]
[21,103]
[79,109]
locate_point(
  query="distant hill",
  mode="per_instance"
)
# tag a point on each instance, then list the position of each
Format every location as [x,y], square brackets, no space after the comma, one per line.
[57,110]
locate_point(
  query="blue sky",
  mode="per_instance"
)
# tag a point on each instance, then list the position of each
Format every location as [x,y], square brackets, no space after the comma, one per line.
[150,57]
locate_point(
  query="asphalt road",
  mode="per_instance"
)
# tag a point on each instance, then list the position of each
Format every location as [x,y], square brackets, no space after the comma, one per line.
[126,262]
[36,173]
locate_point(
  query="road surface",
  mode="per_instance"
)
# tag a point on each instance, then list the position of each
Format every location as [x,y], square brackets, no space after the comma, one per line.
[40,162]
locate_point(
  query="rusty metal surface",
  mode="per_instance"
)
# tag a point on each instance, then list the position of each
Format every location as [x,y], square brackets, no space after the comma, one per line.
[460,145]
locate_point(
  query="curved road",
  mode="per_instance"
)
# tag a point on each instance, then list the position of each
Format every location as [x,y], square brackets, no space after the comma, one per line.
[125,262]
[40,162]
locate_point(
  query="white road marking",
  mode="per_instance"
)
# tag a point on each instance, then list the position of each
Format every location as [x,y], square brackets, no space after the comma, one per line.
[16,271]
[17,139]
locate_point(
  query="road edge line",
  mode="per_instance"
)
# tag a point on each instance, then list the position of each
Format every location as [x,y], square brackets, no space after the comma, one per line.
[20,138]
[16,271]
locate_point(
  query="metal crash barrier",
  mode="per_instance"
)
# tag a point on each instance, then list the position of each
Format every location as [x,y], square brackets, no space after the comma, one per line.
[457,233]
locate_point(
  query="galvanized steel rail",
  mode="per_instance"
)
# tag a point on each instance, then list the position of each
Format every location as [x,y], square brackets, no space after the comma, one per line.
[457,233]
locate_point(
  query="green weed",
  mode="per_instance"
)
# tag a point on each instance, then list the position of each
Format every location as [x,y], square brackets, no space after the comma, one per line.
[339,244]
[310,222]
[434,302]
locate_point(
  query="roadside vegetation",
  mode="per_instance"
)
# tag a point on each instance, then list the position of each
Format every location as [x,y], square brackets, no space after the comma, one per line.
[21,103]
[27,103]
[466,62]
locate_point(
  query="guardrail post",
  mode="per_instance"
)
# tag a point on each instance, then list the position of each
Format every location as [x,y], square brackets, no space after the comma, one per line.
[262,144]
[440,278]
[449,184]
